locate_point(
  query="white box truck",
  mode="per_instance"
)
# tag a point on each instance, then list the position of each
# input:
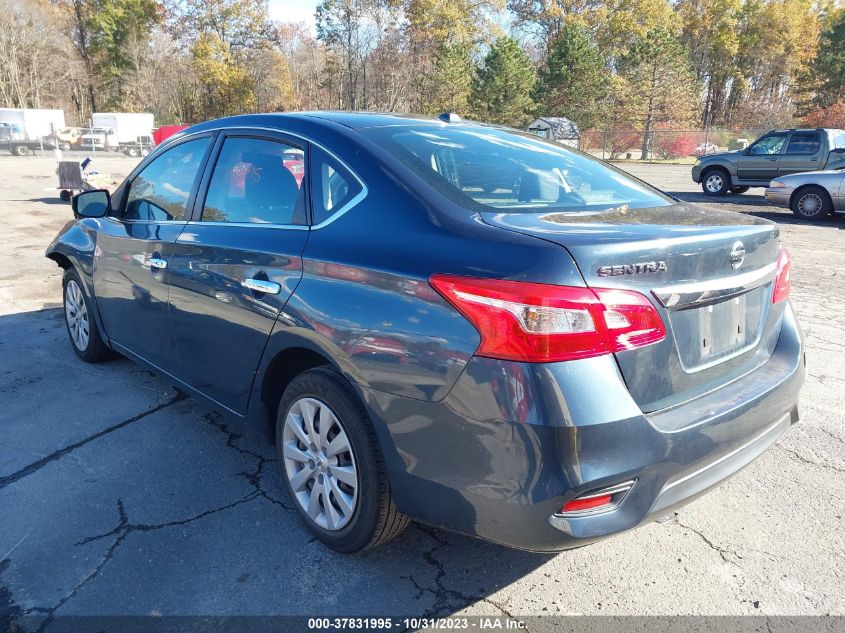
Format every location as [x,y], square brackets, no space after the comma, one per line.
[118,130]
[22,129]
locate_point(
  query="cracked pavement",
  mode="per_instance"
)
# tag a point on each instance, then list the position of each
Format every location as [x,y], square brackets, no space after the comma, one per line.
[119,495]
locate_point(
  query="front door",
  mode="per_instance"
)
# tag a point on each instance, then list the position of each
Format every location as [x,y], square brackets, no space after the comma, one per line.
[134,248]
[759,161]
[234,267]
[803,153]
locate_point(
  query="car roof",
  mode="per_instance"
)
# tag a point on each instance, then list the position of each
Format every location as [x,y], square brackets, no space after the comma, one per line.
[352,120]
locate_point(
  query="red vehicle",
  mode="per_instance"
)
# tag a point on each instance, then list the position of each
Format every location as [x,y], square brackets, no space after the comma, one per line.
[166,131]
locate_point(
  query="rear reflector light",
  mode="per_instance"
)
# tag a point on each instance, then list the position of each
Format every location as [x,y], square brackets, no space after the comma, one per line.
[783,283]
[533,322]
[598,500]
[587,504]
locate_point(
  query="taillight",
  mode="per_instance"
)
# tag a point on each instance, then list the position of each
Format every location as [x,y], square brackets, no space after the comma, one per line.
[783,284]
[543,323]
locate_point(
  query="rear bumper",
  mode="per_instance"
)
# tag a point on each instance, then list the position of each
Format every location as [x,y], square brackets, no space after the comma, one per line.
[512,442]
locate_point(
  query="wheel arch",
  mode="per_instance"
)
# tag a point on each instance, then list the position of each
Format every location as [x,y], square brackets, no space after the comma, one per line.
[706,169]
[62,260]
[809,185]
[288,354]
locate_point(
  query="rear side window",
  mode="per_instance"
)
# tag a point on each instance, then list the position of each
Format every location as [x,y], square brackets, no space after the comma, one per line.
[485,168]
[804,143]
[839,141]
[333,187]
[256,181]
[162,190]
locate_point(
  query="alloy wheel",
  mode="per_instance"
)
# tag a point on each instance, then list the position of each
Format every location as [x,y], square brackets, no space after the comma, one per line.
[76,314]
[810,204]
[320,464]
[714,183]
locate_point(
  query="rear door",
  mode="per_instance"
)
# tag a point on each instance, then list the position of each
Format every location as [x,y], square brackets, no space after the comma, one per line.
[238,261]
[803,153]
[760,160]
[134,249]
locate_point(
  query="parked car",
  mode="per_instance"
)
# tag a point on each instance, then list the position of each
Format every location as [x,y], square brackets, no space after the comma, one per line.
[705,148]
[812,196]
[777,153]
[542,362]
[67,137]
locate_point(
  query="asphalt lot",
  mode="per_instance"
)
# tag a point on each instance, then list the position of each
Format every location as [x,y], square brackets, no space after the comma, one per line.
[120,496]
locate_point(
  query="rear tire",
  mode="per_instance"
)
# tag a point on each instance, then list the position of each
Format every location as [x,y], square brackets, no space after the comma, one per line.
[323,462]
[811,203]
[20,150]
[739,189]
[715,182]
[65,195]
[81,326]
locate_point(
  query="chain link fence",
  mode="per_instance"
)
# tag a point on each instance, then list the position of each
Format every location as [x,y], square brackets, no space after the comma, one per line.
[664,145]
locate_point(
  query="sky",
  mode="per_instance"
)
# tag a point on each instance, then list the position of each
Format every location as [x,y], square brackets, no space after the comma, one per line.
[292,10]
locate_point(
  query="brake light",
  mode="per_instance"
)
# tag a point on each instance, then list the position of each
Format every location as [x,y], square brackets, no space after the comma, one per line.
[783,283]
[544,323]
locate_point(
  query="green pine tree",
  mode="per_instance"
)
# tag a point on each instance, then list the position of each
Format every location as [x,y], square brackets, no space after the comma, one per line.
[574,83]
[501,88]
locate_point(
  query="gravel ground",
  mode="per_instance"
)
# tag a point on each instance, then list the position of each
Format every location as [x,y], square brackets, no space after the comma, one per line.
[120,496]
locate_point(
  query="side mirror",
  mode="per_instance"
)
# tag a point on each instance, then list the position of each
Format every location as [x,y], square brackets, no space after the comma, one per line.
[91,204]
[746,151]
[838,150]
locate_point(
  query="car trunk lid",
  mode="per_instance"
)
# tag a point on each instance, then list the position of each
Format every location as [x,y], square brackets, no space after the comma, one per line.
[709,274]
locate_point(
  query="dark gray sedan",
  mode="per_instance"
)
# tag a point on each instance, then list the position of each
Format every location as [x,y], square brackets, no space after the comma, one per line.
[443,321]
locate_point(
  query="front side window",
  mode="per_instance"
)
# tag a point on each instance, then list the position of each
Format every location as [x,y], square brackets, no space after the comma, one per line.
[804,143]
[256,181]
[334,187]
[771,144]
[486,168]
[162,190]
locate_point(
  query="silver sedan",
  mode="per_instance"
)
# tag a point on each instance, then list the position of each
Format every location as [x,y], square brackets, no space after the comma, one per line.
[812,195]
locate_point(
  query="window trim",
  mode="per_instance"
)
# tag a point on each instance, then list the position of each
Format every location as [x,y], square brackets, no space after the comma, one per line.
[277,136]
[794,134]
[189,206]
[222,131]
[312,175]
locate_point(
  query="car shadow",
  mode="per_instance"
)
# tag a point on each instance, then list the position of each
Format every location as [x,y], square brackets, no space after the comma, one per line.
[110,478]
[761,208]
[50,200]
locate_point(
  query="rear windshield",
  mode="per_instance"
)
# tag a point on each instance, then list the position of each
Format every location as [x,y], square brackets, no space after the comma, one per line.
[485,168]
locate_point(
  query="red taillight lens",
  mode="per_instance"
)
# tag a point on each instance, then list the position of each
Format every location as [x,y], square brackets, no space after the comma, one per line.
[543,323]
[783,284]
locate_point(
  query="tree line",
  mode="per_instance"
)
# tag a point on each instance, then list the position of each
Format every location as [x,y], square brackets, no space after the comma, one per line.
[609,64]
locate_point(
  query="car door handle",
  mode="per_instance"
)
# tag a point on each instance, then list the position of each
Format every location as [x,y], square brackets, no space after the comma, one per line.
[772,158]
[262,285]
[157,262]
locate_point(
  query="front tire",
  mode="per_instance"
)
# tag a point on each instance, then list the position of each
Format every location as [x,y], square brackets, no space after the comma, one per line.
[332,465]
[811,203]
[715,182]
[81,327]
